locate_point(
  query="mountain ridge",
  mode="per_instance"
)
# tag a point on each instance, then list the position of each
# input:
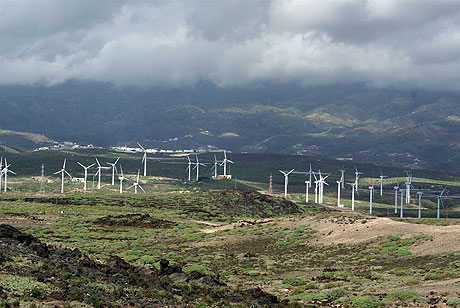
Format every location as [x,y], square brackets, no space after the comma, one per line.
[394,126]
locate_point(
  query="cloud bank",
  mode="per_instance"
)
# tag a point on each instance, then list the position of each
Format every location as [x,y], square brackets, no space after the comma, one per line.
[383,43]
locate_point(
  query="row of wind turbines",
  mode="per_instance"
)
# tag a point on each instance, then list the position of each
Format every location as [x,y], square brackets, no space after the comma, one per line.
[63,172]
[404,191]
[196,166]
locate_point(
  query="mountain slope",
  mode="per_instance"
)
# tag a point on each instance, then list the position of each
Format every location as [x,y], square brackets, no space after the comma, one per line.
[379,125]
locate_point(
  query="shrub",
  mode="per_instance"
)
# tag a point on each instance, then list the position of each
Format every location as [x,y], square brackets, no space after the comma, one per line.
[453,301]
[336,294]
[403,295]
[294,282]
[362,302]
[309,297]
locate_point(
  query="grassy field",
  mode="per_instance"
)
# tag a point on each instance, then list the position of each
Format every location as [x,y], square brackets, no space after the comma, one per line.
[305,254]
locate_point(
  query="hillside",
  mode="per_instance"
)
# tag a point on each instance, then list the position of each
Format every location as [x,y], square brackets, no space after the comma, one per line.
[405,127]
[13,141]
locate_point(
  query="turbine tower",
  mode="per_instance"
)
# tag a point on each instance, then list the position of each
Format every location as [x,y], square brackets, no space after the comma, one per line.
[63,172]
[307,184]
[1,172]
[339,185]
[381,182]
[189,168]
[42,179]
[286,180]
[320,186]
[5,171]
[136,184]
[396,188]
[197,167]
[420,193]
[408,186]
[310,172]
[144,159]
[342,177]
[99,173]
[224,163]
[402,201]
[371,193]
[352,195]
[121,178]
[357,174]
[86,173]
[216,163]
[114,169]
[438,212]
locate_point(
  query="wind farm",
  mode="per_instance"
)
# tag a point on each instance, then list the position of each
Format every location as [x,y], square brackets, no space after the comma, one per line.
[229,154]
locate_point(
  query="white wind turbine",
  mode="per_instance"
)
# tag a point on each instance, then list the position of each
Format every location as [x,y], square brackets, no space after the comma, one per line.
[63,172]
[114,169]
[371,194]
[5,171]
[408,186]
[216,164]
[86,173]
[99,173]
[381,182]
[352,195]
[197,167]
[310,172]
[1,172]
[286,180]
[307,184]
[189,168]
[321,183]
[224,163]
[357,174]
[136,184]
[339,185]
[342,177]
[144,159]
[121,178]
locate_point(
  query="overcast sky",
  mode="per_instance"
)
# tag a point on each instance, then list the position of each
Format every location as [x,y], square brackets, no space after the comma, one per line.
[399,43]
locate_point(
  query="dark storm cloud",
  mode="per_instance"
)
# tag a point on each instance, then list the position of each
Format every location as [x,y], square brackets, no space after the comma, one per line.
[401,43]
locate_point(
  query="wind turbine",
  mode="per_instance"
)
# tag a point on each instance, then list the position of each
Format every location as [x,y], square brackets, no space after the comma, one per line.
[396,188]
[307,184]
[352,195]
[438,213]
[357,173]
[197,167]
[286,180]
[320,184]
[338,193]
[189,168]
[420,193]
[408,186]
[144,159]
[136,184]
[342,177]
[371,193]
[381,182]
[1,172]
[216,163]
[5,171]
[310,172]
[99,172]
[121,178]
[86,173]
[63,172]
[224,163]
[114,168]
[402,201]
